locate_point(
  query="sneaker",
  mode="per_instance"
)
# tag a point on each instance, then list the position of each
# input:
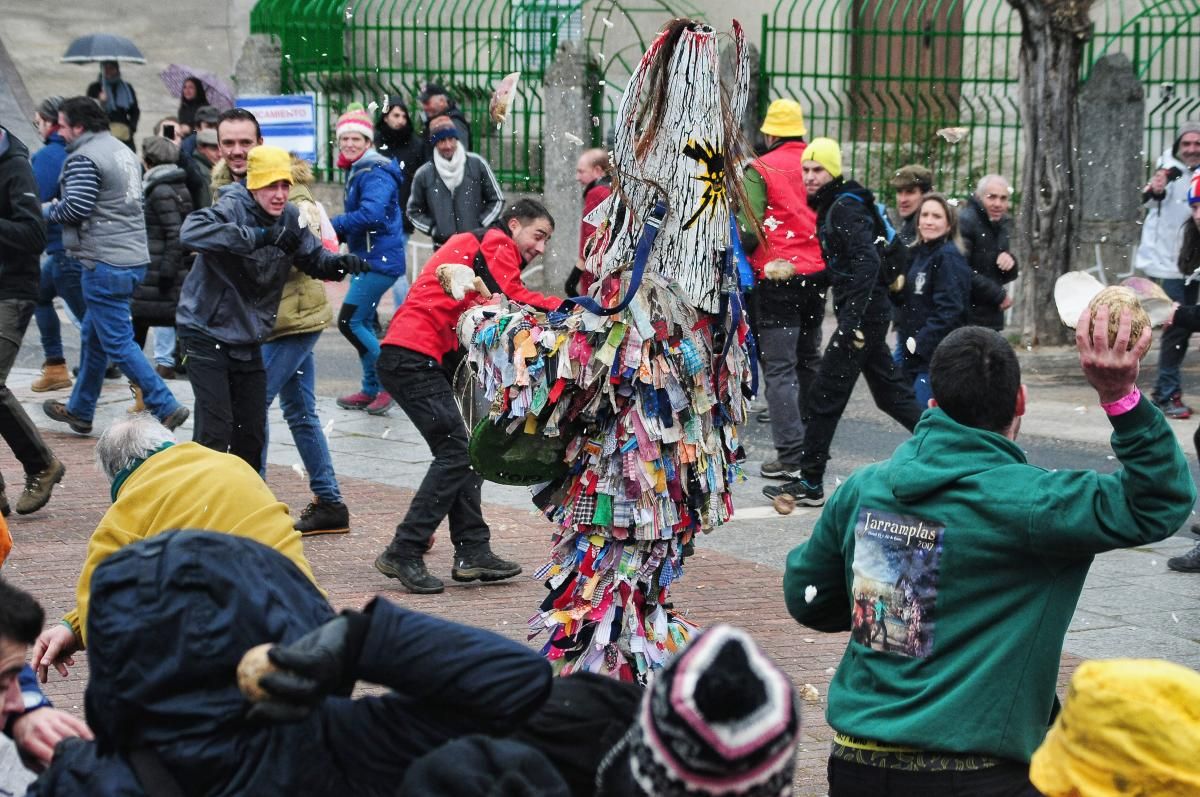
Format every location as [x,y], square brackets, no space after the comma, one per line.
[805,493]
[764,416]
[165,372]
[777,470]
[355,401]
[53,377]
[482,565]
[382,403]
[409,571]
[5,509]
[57,411]
[112,372]
[38,487]
[323,517]
[1174,408]
[1195,530]
[176,418]
[1188,563]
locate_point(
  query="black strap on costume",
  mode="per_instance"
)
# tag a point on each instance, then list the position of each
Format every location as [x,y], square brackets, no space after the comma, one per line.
[480,266]
[153,775]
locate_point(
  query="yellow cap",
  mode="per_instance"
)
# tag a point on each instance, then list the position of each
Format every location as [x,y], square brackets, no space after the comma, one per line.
[785,119]
[1129,727]
[826,152]
[266,165]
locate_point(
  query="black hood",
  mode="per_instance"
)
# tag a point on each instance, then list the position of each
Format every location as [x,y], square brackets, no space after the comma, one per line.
[170,619]
[11,146]
[825,196]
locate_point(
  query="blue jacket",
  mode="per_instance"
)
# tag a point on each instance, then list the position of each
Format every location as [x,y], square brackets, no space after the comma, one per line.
[936,300]
[171,617]
[47,166]
[373,224]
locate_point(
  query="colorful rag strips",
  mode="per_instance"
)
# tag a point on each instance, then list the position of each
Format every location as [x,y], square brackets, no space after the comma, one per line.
[651,441]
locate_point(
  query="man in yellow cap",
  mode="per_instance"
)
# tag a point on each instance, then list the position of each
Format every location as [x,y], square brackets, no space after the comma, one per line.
[848,226]
[1129,726]
[247,243]
[779,234]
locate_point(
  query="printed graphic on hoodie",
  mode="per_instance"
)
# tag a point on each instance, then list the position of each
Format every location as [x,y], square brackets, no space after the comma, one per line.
[896,564]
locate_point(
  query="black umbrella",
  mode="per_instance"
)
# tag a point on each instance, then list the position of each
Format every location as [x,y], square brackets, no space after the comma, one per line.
[102,47]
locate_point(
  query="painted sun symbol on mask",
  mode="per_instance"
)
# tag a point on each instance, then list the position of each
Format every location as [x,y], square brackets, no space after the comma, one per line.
[713,177]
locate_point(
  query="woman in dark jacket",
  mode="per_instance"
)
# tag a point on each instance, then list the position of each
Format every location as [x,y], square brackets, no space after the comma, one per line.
[166,203]
[937,291]
[191,97]
[396,139]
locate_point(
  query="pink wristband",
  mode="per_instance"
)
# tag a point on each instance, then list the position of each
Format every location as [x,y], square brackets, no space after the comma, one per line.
[1123,405]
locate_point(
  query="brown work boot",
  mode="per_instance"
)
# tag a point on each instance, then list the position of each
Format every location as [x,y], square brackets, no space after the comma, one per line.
[38,487]
[138,404]
[53,377]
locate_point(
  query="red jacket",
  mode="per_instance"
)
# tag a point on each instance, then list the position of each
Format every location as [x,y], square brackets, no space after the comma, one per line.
[789,224]
[426,321]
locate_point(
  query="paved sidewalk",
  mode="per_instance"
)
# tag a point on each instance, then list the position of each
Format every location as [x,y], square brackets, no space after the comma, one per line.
[1131,606]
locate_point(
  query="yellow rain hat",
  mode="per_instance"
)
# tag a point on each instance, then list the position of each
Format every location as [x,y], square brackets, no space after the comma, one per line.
[266,164]
[785,119]
[1130,727]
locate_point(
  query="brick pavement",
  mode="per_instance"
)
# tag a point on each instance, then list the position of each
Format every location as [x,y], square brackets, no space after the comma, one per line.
[49,548]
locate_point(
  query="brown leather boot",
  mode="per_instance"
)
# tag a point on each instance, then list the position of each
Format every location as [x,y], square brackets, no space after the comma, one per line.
[138,405]
[53,377]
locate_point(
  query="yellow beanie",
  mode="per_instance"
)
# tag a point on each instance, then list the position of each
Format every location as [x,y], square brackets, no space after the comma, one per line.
[826,152]
[266,164]
[1129,726]
[785,119]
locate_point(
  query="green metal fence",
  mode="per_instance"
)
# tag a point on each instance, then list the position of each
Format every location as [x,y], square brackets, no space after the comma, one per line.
[883,76]
[374,49]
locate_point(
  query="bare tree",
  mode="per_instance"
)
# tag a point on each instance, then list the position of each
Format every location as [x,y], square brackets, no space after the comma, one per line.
[1053,36]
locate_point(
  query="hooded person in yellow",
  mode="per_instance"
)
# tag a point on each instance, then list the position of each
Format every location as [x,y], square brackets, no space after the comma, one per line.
[1129,728]
[158,486]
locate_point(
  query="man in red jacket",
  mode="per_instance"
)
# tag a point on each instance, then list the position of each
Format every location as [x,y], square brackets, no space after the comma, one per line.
[411,368]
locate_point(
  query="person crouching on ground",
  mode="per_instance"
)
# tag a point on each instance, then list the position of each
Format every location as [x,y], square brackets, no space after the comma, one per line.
[373,227]
[411,367]
[247,243]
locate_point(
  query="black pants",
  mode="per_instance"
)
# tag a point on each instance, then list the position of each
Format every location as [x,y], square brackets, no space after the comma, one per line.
[230,387]
[15,426]
[451,488]
[849,779]
[827,398]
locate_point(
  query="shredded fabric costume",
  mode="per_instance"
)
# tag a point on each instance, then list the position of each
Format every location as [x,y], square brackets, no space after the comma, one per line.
[638,390]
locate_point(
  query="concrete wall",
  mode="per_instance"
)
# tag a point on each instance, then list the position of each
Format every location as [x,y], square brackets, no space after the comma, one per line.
[205,35]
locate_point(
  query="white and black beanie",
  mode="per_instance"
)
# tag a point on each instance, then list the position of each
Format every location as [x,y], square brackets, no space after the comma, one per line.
[721,719]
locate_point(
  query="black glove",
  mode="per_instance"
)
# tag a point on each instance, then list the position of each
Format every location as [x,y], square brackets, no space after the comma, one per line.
[352,264]
[316,665]
[283,236]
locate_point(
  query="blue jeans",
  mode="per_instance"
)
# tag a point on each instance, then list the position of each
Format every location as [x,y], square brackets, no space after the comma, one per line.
[107,335]
[60,277]
[164,346]
[399,290]
[354,321]
[291,376]
[1174,342]
[922,389]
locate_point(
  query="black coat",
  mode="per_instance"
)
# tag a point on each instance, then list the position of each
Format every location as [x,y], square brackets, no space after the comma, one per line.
[167,202]
[983,240]
[937,292]
[22,231]
[847,229]
[409,154]
[171,617]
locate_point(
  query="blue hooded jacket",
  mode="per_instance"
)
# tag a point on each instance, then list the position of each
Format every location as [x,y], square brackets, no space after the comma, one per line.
[373,224]
[47,166]
[171,617]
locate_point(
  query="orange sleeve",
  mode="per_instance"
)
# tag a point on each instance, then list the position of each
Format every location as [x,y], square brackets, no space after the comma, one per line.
[5,540]
[504,261]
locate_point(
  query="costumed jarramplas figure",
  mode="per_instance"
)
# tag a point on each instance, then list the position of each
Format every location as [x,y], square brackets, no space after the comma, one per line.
[628,400]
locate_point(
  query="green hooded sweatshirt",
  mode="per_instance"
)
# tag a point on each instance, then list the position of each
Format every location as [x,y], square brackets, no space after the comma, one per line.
[979,559]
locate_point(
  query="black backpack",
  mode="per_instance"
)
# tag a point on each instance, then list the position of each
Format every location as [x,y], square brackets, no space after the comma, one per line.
[893,254]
